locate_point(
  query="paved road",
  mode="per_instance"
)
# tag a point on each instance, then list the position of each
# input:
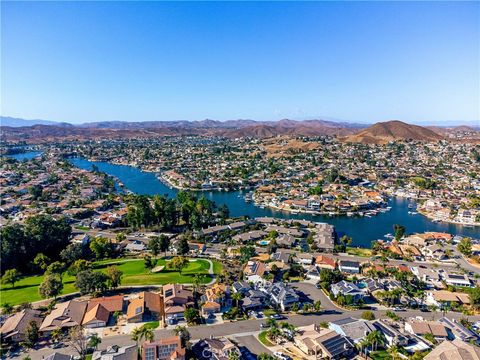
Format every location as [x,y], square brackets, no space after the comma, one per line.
[246,328]
[252,344]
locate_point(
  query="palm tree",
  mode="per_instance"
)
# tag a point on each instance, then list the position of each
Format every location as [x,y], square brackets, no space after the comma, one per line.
[183,333]
[375,338]
[56,335]
[393,352]
[94,341]
[362,347]
[272,323]
[142,333]
[236,296]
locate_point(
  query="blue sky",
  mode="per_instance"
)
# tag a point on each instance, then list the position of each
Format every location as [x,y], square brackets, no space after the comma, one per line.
[142,61]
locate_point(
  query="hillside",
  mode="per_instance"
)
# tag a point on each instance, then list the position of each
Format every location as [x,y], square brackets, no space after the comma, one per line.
[383,132]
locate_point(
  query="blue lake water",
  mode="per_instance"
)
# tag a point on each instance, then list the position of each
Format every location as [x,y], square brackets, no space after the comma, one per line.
[362,229]
[25,156]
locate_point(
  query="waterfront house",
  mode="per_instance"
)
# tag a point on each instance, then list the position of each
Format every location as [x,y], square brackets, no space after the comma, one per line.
[349,267]
[325,262]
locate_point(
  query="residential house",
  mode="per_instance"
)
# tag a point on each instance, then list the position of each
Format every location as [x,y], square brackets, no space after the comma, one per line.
[354,329]
[169,348]
[15,327]
[215,298]
[391,334]
[304,259]
[254,300]
[423,327]
[325,262]
[100,309]
[313,273]
[323,343]
[216,348]
[454,279]
[346,288]
[58,356]
[147,306]
[443,298]
[241,287]
[129,352]
[349,267]
[281,256]
[282,295]
[457,331]
[64,315]
[254,271]
[454,350]
[176,299]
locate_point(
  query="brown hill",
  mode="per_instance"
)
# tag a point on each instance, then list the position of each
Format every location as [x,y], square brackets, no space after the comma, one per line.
[383,132]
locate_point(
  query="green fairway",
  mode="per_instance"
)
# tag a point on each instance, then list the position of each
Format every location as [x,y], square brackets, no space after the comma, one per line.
[134,273]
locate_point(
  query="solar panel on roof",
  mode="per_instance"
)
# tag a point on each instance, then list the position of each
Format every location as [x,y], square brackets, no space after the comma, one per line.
[138,310]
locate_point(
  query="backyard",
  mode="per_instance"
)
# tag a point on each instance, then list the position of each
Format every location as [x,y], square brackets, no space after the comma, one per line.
[134,273]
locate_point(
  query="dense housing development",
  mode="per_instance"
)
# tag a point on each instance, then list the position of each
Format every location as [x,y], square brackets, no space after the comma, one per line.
[90,268]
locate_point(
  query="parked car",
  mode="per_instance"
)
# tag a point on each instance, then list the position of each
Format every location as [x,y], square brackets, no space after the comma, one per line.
[277,317]
[280,355]
[263,326]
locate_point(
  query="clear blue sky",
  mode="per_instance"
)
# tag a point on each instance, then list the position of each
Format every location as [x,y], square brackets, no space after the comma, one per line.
[360,61]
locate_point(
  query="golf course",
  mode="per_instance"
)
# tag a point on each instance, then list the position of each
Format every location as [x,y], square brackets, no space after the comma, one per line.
[134,274]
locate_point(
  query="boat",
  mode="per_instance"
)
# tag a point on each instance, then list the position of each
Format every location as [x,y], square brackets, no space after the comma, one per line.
[388,236]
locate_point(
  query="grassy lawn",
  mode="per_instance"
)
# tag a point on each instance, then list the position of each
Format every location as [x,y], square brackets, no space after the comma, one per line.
[263,339]
[134,273]
[359,252]
[152,325]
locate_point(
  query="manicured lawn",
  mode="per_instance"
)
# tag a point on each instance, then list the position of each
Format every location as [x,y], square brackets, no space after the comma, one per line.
[359,252]
[134,273]
[152,325]
[263,338]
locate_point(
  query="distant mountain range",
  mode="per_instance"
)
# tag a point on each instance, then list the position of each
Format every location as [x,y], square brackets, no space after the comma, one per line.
[384,132]
[14,129]
[17,122]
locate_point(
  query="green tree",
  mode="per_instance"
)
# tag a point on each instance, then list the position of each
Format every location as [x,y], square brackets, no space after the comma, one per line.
[178,263]
[7,308]
[399,231]
[154,245]
[246,253]
[375,338]
[184,334]
[51,286]
[89,281]
[114,277]
[56,267]
[102,247]
[368,315]
[79,265]
[31,334]
[94,341]
[78,340]
[191,315]
[41,261]
[56,335]
[182,247]
[465,246]
[11,276]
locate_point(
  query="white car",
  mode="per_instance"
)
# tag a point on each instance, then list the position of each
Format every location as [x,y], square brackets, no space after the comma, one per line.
[281,356]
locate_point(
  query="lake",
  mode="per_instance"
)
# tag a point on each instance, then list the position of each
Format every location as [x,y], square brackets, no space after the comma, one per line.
[363,230]
[28,155]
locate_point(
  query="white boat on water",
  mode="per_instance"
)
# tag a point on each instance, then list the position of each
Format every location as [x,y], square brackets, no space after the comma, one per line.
[388,236]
